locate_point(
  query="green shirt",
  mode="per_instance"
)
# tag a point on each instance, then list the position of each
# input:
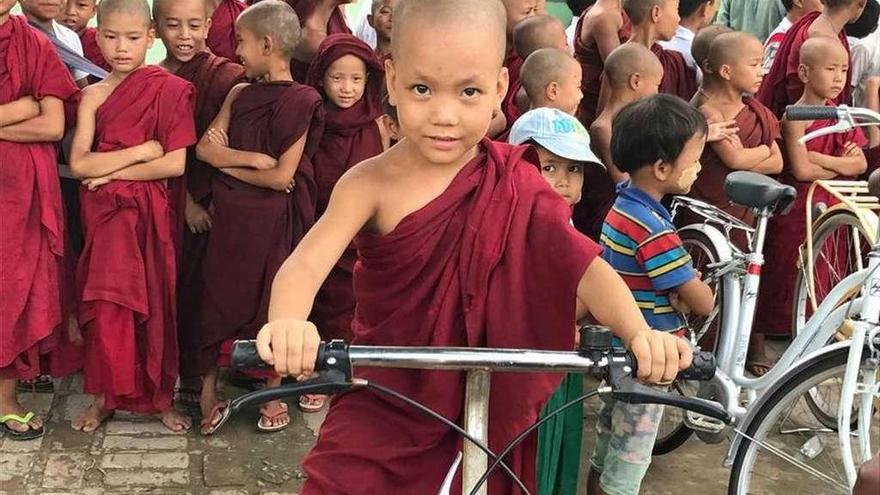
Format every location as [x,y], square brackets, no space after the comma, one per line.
[759,17]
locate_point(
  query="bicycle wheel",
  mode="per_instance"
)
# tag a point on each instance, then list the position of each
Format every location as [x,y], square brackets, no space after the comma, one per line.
[672,431]
[840,248]
[786,423]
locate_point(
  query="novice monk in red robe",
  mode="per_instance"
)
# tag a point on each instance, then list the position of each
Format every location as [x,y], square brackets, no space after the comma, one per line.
[221,33]
[601,29]
[264,200]
[516,10]
[318,19]
[449,229]
[656,20]
[183,27]
[76,16]
[530,35]
[782,85]
[131,137]
[33,86]
[823,70]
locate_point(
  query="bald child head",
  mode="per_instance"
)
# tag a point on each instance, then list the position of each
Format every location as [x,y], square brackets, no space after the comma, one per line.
[424,20]
[639,10]
[729,48]
[536,32]
[272,19]
[543,67]
[703,42]
[137,9]
[629,61]
[161,6]
[820,50]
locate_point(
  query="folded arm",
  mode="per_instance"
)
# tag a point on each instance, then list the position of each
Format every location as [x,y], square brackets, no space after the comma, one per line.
[218,154]
[20,110]
[45,127]
[278,178]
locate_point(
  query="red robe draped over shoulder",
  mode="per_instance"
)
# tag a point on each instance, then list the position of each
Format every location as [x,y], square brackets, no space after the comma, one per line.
[592,67]
[678,78]
[91,50]
[509,107]
[336,25]
[127,270]
[467,269]
[255,226]
[212,77]
[221,37]
[351,136]
[757,126]
[786,233]
[782,86]
[33,340]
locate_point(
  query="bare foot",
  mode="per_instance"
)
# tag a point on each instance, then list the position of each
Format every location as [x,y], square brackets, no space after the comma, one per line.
[91,418]
[174,420]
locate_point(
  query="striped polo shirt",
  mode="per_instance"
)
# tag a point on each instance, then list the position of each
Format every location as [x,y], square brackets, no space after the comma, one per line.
[641,244]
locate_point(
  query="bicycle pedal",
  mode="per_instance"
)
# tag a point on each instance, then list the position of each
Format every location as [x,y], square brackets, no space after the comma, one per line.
[703,423]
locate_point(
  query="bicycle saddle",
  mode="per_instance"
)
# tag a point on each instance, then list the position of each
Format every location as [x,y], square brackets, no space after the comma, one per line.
[758,191]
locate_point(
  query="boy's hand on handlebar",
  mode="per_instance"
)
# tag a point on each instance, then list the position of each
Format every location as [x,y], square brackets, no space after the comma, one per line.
[660,355]
[290,345]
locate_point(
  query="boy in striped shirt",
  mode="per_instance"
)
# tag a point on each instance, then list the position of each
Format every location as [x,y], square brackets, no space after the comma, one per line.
[658,142]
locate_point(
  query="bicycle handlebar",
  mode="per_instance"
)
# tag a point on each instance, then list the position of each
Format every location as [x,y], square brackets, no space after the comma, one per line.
[796,112]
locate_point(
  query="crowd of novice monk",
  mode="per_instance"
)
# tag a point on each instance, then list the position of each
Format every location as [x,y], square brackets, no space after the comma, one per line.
[187,184]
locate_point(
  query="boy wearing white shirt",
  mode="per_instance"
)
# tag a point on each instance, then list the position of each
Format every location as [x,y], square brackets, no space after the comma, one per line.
[695,15]
[42,14]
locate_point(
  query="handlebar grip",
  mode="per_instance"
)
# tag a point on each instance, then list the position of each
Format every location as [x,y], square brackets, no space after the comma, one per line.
[702,368]
[798,112]
[244,356]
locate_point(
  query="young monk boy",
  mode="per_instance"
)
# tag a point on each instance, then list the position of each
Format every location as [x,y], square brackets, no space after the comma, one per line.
[264,199]
[43,15]
[350,77]
[222,40]
[131,137]
[734,68]
[76,16]
[33,86]
[380,19]
[551,78]
[183,26]
[426,277]
[601,29]
[783,86]
[823,70]
[703,40]
[657,20]
[516,10]
[531,34]
[657,141]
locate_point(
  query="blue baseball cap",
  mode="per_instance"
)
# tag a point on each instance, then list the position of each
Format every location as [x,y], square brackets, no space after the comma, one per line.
[557,132]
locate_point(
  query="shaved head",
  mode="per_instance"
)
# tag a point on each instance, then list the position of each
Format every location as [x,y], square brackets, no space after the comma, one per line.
[727,48]
[543,67]
[160,5]
[536,32]
[447,16]
[703,42]
[272,19]
[136,8]
[629,59]
[822,49]
[638,10]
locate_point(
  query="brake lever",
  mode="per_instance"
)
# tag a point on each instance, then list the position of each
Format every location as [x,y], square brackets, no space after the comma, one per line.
[627,389]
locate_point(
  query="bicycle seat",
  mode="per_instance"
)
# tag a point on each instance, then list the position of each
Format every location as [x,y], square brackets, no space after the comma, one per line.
[758,191]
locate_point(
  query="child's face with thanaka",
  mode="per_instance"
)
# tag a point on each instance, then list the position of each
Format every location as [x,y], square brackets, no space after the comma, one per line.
[445,98]
[345,81]
[824,73]
[77,14]
[44,10]
[124,39]
[679,176]
[570,95]
[746,71]
[183,27]
[565,176]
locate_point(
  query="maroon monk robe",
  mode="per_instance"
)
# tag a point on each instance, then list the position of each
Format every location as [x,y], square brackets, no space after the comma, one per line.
[350,136]
[597,197]
[221,37]
[757,126]
[678,78]
[336,25]
[786,233]
[33,338]
[592,66]
[91,50]
[782,86]
[127,271]
[509,107]
[461,271]
[255,226]
[213,77]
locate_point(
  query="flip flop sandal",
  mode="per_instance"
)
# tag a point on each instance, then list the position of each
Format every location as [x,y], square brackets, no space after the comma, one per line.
[42,384]
[311,403]
[264,414]
[207,427]
[29,434]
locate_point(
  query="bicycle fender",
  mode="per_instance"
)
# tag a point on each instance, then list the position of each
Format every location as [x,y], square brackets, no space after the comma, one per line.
[716,237]
[867,216]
